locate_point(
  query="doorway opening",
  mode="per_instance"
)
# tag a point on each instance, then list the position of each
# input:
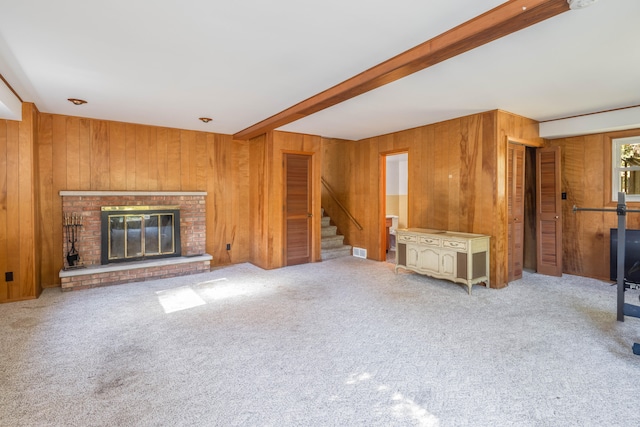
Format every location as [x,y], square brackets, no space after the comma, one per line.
[521,192]
[395,201]
[530,247]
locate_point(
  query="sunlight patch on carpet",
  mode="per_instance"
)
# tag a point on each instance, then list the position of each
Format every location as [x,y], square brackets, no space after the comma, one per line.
[407,408]
[211,291]
[178,299]
[222,289]
[354,378]
[219,289]
[402,407]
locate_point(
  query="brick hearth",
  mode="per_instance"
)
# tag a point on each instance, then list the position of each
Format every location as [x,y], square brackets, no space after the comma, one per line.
[88,205]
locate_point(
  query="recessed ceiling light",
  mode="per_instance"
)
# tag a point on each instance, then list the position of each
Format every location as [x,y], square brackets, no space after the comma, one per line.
[205,119]
[76,101]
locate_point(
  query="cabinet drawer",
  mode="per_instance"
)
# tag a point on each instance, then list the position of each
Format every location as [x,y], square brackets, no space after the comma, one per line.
[431,241]
[408,238]
[454,244]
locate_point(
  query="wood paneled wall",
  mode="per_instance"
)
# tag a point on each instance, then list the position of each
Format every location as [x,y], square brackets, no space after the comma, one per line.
[86,154]
[267,191]
[586,178]
[18,204]
[259,167]
[457,180]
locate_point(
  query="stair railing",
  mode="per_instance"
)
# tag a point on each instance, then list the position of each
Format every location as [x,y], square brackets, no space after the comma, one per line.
[335,199]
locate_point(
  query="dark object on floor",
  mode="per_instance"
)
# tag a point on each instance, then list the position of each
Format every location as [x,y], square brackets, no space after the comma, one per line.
[636,349]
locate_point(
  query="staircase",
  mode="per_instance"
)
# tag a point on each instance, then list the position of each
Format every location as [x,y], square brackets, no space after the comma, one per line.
[332,244]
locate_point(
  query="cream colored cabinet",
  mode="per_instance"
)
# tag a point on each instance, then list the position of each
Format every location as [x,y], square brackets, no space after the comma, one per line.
[431,260]
[459,257]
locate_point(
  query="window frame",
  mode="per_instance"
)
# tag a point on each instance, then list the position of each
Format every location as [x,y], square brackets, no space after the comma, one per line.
[616,143]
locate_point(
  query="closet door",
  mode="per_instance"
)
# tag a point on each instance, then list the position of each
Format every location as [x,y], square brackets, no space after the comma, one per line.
[515,197]
[549,211]
[298,217]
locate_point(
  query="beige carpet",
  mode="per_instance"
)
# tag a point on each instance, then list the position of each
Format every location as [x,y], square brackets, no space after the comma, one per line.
[341,343]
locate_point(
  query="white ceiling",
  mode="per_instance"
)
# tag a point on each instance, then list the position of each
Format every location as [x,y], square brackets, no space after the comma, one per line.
[168,62]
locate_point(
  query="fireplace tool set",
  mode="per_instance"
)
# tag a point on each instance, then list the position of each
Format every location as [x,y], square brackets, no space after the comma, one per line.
[72,223]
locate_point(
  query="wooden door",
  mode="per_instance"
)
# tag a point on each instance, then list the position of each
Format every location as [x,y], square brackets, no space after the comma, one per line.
[515,197]
[297,208]
[548,211]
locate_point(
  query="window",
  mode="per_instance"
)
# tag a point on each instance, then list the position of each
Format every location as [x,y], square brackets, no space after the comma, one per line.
[625,168]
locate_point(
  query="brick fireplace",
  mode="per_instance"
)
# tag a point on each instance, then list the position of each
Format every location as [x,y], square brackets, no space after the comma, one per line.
[85,209]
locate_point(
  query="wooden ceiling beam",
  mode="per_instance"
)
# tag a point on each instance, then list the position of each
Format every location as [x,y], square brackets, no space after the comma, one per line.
[503,20]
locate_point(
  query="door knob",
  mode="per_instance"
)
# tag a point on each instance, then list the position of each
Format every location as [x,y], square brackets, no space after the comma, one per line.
[309,215]
[557,217]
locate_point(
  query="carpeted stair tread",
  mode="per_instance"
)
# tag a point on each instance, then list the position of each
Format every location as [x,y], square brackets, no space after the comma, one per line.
[328,231]
[331,253]
[332,244]
[332,241]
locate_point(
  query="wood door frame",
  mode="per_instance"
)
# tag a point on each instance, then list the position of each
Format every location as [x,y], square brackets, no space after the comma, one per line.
[312,237]
[526,143]
[382,197]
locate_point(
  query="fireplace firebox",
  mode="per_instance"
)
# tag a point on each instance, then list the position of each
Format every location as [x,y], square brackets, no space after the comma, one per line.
[131,233]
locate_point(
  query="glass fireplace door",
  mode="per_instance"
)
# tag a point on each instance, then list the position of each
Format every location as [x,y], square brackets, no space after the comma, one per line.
[134,235]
